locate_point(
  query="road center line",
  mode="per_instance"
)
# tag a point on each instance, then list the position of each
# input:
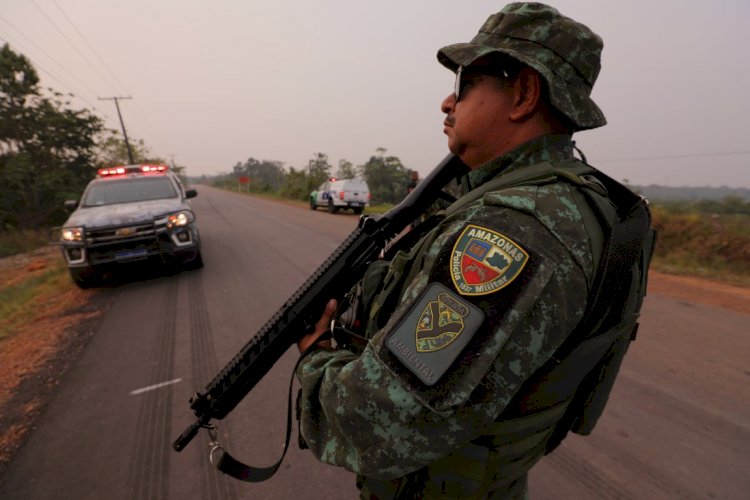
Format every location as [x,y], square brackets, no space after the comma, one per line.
[155,386]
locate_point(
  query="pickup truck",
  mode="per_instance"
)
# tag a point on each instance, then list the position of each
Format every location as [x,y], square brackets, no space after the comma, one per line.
[334,194]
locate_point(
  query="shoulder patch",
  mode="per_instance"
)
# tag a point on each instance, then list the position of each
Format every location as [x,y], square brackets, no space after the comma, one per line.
[484,261]
[433,332]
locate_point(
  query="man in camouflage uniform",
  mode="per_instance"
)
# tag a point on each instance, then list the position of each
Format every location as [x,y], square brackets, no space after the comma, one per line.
[440,400]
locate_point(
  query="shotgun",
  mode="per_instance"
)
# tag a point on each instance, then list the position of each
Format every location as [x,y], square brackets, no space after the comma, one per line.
[338,273]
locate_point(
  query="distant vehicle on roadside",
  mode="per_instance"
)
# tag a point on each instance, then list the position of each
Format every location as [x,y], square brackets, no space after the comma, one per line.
[334,194]
[129,213]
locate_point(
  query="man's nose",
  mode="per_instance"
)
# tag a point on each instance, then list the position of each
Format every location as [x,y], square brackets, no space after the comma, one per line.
[448,104]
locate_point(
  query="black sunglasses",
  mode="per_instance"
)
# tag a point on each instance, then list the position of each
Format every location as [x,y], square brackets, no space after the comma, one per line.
[475,70]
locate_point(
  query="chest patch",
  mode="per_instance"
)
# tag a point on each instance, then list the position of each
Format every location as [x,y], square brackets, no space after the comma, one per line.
[484,261]
[433,333]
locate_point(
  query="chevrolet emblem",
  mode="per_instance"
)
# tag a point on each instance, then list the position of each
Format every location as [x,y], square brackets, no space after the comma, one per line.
[125,231]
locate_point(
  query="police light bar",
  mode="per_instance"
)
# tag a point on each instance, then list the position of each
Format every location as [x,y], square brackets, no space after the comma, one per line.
[130,169]
[102,172]
[154,168]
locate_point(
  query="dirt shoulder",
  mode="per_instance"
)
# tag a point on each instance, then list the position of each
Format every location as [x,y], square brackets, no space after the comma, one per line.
[36,354]
[700,291]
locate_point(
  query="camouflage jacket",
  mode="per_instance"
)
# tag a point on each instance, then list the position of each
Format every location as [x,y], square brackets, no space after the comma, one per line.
[370,413]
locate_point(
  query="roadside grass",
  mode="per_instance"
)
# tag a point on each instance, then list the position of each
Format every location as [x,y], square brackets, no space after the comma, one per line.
[27,240]
[21,299]
[711,246]
[378,209]
[371,209]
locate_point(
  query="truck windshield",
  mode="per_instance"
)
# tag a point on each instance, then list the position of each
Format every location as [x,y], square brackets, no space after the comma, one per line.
[131,190]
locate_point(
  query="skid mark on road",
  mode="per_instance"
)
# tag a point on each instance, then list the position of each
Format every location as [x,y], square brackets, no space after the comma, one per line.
[213,484]
[598,476]
[586,474]
[220,213]
[149,466]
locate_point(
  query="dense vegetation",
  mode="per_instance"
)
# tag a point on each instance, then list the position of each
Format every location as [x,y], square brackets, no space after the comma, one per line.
[386,176]
[695,194]
[46,148]
[709,244]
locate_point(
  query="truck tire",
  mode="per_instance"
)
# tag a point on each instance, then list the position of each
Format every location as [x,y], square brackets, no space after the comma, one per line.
[332,209]
[195,263]
[84,277]
[313,206]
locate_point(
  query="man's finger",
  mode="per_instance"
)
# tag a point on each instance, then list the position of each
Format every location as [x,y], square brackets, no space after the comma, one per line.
[325,319]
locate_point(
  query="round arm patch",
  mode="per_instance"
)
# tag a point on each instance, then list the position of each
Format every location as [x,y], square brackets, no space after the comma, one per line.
[484,261]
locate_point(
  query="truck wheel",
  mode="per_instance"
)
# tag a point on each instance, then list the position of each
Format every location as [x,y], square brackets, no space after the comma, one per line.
[332,209]
[313,206]
[357,210]
[84,277]
[195,263]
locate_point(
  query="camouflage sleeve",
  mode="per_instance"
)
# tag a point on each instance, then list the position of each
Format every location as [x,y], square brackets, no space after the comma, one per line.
[371,416]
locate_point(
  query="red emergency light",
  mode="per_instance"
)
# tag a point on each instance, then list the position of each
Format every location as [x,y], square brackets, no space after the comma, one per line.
[130,169]
[154,168]
[102,172]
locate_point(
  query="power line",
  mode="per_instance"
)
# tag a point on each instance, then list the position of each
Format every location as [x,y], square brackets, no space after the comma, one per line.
[88,44]
[68,73]
[138,114]
[26,52]
[72,45]
[676,157]
[52,75]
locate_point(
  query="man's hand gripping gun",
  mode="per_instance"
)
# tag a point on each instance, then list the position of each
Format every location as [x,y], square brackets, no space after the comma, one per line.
[340,271]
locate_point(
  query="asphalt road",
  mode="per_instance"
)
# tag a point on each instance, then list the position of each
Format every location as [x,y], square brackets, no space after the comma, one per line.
[677,425]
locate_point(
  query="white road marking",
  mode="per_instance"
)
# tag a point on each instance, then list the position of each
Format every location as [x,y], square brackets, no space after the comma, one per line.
[155,386]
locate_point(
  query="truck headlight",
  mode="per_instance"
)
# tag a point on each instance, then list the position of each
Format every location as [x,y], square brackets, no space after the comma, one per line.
[180,219]
[71,234]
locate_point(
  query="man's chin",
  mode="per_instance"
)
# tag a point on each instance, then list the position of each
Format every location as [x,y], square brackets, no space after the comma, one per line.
[454,148]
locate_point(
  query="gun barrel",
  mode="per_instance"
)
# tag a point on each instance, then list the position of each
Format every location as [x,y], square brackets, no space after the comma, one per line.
[187,435]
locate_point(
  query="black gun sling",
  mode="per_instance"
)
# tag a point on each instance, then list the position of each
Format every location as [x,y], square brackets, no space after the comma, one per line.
[226,463]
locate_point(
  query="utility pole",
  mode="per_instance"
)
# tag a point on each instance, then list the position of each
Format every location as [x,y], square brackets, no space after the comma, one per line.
[124,133]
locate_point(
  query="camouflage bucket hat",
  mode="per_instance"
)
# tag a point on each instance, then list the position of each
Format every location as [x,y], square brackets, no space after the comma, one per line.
[566,53]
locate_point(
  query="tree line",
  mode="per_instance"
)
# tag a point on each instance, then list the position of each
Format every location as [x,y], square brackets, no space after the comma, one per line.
[385,174]
[729,205]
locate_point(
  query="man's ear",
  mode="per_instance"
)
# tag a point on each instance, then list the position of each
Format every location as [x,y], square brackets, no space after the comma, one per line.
[527,89]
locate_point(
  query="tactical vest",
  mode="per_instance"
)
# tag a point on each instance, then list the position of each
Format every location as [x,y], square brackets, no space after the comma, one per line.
[570,391]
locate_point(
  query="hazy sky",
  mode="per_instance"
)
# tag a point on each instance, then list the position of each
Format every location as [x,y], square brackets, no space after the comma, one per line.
[216,82]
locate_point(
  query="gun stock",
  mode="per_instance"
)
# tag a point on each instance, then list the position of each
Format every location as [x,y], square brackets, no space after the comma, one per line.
[340,271]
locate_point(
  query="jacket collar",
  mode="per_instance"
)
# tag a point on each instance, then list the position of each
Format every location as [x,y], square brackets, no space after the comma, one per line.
[551,147]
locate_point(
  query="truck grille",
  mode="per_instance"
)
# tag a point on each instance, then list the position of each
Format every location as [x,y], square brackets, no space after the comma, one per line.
[115,234]
[123,243]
